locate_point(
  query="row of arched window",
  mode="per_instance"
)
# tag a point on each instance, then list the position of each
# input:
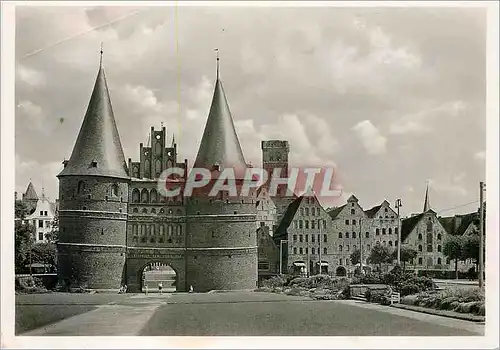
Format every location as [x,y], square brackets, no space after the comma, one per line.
[310,211]
[147,167]
[156,211]
[385,231]
[300,224]
[430,261]
[306,250]
[151,233]
[313,238]
[151,196]
[439,237]
[429,248]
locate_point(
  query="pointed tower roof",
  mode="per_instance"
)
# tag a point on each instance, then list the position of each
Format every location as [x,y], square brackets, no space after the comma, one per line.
[219,144]
[427,205]
[30,192]
[98,150]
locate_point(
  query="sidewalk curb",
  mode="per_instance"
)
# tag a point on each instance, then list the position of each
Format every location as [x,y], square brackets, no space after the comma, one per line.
[444,313]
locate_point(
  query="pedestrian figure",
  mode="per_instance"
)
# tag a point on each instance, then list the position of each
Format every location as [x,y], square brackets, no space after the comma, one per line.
[191,290]
[160,287]
[125,289]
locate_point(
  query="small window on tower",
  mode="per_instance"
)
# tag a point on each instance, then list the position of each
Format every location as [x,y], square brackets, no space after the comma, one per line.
[93,164]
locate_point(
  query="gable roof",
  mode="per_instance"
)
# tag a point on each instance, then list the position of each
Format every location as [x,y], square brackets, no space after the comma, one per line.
[372,211]
[287,218]
[407,225]
[448,224]
[455,227]
[336,211]
[467,220]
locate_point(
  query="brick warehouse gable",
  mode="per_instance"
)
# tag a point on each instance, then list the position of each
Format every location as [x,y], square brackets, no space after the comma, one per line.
[114,222]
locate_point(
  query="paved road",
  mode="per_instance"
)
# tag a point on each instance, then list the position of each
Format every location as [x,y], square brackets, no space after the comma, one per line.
[251,314]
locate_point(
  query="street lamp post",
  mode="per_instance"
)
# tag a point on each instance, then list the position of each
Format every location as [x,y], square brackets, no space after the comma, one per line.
[319,245]
[481,233]
[281,255]
[360,248]
[398,205]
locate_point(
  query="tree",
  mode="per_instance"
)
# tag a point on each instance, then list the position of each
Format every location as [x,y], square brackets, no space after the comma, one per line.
[407,254]
[20,210]
[45,253]
[380,254]
[23,241]
[53,235]
[355,256]
[453,249]
[471,248]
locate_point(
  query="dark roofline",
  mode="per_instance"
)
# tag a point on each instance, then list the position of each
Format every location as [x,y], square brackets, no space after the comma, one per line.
[335,212]
[281,230]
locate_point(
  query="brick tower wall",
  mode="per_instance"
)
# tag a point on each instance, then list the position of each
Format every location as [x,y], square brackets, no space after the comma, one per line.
[222,244]
[92,232]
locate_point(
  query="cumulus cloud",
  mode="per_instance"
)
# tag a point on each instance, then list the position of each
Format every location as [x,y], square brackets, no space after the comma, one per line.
[303,75]
[42,176]
[371,137]
[454,185]
[30,76]
[425,121]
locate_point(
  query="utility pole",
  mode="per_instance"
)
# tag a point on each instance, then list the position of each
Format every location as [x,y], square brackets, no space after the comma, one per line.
[319,242]
[481,233]
[398,205]
[308,267]
[281,255]
[360,248]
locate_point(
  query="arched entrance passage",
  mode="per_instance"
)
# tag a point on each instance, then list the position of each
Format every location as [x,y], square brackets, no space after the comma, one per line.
[340,271]
[157,272]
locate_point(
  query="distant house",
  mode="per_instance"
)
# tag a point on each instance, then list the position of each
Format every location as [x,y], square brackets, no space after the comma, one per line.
[41,213]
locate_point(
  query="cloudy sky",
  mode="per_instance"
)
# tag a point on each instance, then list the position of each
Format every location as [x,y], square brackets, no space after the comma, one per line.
[394,97]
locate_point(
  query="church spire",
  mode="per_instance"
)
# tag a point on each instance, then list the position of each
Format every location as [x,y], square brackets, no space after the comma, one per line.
[427,205]
[220,145]
[217,71]
[98,150]
[100,57]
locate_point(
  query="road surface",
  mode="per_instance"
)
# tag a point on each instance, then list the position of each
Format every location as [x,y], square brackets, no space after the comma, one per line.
[244,314]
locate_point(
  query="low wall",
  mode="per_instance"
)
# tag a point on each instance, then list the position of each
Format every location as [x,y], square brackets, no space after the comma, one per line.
[360,289]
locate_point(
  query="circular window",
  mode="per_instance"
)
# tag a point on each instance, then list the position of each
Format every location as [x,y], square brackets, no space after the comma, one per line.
[158,136]
[169,153]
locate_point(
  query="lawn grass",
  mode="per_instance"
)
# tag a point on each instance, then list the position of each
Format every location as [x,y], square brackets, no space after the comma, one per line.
[29,317]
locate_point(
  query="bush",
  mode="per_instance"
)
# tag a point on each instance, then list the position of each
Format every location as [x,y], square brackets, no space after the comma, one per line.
[377,297]
[30,284]
[409,289]
[275,281]
[302,282]
[294,291]
[346,292]
[454,299]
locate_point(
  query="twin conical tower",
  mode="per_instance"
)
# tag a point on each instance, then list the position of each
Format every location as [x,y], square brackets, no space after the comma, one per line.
[219,250]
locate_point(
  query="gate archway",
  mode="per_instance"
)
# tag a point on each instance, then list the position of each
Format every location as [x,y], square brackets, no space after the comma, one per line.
[152,274]
[340,271]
